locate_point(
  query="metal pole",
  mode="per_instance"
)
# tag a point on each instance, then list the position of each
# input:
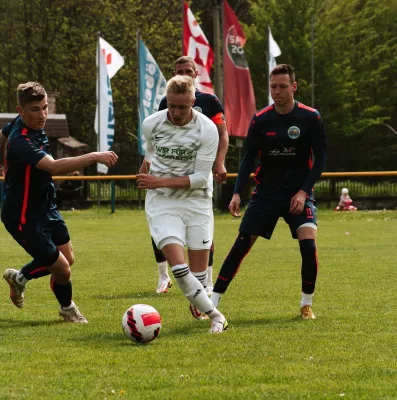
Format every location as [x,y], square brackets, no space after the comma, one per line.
[138,94]
[99,113]
[217,51]
[312,40]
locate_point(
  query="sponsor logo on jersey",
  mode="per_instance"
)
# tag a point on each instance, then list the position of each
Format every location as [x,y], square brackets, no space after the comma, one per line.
[294,132]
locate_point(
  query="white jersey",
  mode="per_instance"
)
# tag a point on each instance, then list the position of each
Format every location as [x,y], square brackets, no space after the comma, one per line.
[173,150]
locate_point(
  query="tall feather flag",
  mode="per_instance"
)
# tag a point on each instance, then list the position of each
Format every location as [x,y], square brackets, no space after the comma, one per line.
[109,61]
[152,85]
[274,51]
[196,46]
[238,91]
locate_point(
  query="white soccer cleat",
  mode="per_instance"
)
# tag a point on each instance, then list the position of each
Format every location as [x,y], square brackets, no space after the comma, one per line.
[72,315]
[209,289]
[164,284]
[16,289]
[218,324]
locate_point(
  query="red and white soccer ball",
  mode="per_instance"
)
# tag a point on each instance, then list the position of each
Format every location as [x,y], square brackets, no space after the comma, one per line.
[141,323]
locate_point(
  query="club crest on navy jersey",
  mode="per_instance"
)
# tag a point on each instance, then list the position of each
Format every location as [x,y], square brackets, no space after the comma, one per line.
[199,109]
[294,132]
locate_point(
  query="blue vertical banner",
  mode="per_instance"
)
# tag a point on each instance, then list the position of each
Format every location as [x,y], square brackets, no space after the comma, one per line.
[152,85]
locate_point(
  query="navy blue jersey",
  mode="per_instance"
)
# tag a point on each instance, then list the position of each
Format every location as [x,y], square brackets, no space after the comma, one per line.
[285,144]
[29,191]
[6,130]
[206,103]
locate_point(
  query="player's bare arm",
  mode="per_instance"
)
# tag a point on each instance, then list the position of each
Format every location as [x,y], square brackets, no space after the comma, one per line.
[69,164]
[147,181]
[219,169]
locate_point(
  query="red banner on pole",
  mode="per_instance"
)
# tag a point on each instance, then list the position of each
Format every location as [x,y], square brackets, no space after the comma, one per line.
[196,46]
[239,97]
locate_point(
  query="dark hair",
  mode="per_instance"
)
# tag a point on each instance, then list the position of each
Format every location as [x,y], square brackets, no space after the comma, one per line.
[185,60]
[284,69]
[30,91]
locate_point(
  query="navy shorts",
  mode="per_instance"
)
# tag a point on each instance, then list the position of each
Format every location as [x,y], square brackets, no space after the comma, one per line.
[268,205]
[41,238]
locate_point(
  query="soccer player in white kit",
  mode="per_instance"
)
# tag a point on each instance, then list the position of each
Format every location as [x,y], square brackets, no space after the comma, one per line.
[181,146]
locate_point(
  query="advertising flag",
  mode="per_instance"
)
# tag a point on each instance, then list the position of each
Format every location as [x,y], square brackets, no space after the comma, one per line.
[152,85]
[239,97]
[104,116]
[196,46]
[114,61]
[274,51]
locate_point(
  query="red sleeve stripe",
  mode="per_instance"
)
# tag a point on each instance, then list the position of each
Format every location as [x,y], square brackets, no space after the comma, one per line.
[266,109]
[300,105]
[24,131]
[25,195]
[218,119]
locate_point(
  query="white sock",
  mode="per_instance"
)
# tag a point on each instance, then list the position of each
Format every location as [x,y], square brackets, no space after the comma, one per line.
[72,305]
[201,276]
[193,290]
[307,299]
[21,279]
[163,269]
[216,298]
[209,276]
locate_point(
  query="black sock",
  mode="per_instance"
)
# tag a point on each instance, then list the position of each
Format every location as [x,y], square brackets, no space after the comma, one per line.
[309,265]
[158,254]
[34,270]
[211,257]
[63,293]
[230,266]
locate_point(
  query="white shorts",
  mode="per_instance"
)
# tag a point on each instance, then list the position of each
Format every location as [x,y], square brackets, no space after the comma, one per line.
[187,222]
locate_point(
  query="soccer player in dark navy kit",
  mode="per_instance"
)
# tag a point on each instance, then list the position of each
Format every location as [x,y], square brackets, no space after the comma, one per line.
[29,212]
[285,136]
[209,105]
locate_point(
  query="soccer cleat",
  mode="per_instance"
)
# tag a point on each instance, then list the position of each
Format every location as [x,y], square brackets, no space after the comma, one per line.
[218,324]
[164,284]
[307,312]
[16,289]
[209,289]
[196,313]
[72,315]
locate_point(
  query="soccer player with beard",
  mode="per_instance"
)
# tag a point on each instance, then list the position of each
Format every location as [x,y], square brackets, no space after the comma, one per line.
[285,136]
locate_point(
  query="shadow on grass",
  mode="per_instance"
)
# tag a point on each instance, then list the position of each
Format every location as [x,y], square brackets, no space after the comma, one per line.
[132,296]
[12,323]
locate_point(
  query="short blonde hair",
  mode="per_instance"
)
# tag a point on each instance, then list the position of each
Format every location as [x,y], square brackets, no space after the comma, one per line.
[181,84]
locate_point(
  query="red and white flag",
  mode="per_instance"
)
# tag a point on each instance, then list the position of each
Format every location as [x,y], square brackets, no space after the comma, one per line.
[239,97]
[114,60]
[196,46]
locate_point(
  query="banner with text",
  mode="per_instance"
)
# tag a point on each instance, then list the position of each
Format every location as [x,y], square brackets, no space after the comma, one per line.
[152,85]
[196,46]
[239,97]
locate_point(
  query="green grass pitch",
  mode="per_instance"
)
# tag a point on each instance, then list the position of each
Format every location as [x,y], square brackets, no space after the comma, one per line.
[349,352]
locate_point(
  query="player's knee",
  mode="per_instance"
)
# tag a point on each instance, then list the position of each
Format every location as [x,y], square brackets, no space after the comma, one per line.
[70,258]
[307,248]
[243,242]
